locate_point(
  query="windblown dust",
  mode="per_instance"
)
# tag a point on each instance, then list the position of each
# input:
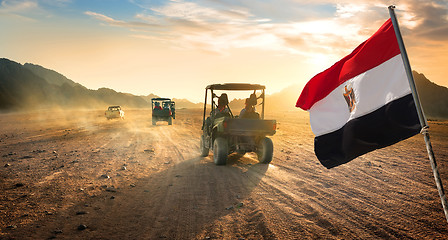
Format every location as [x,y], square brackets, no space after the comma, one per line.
[76,175]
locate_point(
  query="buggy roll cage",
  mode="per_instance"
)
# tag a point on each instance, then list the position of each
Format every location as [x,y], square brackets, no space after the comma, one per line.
[233,87]
[161,99]
[172,104]
[114,107]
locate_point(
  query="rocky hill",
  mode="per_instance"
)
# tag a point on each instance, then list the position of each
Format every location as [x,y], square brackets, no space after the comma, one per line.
[31,86]
[434,98]
[50,76]
[184,103]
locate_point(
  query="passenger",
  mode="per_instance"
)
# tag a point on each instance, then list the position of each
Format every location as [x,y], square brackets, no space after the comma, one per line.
[157,106]
[249,110]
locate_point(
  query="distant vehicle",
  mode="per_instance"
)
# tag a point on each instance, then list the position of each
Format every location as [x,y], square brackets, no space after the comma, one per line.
[163,109]
[224,133]
[114,112]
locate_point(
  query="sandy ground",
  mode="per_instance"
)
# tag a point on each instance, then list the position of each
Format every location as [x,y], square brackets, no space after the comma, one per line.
[61,172]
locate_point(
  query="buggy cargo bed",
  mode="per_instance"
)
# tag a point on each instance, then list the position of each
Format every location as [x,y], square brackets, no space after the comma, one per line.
[246,127]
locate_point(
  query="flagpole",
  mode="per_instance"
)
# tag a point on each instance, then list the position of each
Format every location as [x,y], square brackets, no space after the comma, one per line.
[421,115]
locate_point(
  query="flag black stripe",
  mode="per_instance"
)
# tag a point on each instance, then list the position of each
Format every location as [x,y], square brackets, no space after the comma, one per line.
[395,121]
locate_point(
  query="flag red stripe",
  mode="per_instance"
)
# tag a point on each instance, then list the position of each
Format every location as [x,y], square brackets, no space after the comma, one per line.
[379,48]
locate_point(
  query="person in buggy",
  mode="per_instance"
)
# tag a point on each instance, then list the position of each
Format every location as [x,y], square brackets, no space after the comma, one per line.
[249,110]
[166,105]
[157,106]
[222,110]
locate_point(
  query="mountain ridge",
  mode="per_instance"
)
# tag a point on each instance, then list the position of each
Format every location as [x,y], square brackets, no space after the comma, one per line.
[31,86]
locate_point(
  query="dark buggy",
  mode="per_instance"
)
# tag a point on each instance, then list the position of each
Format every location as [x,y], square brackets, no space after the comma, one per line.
[225,133]
[163,109]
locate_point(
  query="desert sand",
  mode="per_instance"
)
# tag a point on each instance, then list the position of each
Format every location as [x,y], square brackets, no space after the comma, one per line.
[75,175]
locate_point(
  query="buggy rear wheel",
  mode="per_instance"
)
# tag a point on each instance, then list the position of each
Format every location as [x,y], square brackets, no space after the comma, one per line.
[170,120]
[220,151]
[204,149]
[265,150]
[154,121]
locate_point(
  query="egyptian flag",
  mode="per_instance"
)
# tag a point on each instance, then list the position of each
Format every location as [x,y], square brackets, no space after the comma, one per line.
[361,103]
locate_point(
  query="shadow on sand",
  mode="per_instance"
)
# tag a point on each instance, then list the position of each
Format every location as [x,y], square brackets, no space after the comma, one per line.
[180,202]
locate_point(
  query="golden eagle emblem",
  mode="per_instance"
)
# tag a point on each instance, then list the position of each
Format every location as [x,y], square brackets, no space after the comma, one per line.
[349,96]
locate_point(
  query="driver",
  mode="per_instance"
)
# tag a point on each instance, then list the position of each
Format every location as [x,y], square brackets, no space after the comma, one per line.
[222,110]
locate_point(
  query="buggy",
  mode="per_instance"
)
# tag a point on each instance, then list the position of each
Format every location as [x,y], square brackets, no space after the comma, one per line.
[114,112]
[163,109]
[225,133]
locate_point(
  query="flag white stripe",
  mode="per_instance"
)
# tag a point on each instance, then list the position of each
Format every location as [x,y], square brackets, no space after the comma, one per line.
[373,89]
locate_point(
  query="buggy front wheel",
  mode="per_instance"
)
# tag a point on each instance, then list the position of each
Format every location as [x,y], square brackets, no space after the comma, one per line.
[202,148]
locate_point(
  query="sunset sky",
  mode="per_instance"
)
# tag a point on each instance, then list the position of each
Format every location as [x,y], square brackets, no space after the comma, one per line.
[175,48]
